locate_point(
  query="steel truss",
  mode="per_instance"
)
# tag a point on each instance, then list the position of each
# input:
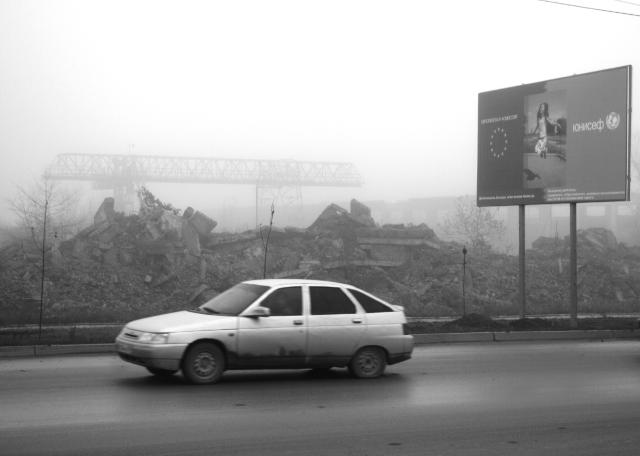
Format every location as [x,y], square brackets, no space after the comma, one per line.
[118,170]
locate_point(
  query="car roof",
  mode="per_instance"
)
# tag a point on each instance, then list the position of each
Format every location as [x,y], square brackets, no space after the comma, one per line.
[281,282]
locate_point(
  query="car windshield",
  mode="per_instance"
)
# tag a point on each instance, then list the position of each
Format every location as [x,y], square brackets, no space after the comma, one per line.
[234,300]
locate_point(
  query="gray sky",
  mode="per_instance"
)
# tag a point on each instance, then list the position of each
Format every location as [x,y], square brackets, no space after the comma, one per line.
[389,85]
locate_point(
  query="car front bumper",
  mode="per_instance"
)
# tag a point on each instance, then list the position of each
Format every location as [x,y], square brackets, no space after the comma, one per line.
[159,356]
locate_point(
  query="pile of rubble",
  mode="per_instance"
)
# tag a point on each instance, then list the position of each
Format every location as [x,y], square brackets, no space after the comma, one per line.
[123,267]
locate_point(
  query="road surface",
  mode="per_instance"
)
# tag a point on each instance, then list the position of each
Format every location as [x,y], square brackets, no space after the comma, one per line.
[567,398]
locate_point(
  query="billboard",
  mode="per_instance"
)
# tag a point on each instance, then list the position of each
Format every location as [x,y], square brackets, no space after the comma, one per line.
[558,141]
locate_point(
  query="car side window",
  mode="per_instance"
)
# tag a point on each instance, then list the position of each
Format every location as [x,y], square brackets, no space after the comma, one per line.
[369,304]
[330,301]
[284,301]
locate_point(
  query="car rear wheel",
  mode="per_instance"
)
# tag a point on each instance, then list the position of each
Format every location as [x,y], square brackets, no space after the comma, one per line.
[203,363]
[368,362]
[161,372]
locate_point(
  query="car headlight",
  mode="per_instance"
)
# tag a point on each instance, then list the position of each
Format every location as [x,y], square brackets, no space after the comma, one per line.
[154,338]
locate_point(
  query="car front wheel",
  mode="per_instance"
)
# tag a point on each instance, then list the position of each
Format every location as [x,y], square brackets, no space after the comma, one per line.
[203,363]
[368,362]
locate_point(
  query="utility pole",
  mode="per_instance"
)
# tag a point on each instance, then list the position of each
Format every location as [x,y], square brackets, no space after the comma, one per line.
[464,277]
[265,243]
[521,261]
[42,270]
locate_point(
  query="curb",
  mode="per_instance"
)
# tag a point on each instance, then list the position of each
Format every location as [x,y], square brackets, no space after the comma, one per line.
[21,351]
[447,338]
[524,336]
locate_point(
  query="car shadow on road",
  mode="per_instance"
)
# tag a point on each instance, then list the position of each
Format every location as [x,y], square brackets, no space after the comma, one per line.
[266,377]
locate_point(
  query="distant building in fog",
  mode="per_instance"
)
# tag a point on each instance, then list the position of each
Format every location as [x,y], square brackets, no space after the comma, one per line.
[549,220]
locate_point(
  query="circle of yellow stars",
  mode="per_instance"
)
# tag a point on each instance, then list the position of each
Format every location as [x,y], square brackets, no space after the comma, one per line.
[498,142]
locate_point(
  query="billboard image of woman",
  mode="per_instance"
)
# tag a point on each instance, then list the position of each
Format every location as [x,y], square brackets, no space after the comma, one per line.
[545,140]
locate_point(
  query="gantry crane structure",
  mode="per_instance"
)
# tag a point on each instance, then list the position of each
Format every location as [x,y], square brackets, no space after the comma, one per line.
[123,173]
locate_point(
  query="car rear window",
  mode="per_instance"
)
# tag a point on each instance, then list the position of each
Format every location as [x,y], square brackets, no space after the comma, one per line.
[330,301]
[369,304]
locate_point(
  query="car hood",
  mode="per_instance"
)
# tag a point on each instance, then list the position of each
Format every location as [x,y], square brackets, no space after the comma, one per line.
[183,321]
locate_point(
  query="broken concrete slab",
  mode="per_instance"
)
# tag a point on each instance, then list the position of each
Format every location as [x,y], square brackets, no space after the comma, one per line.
[191,239]
[216,241]
[153,230]
[202,223]
[188,212]
[398,241]
[398,232]
[170,225]
[79,248]
[362,213]
[109,234]
[106,212]
[599,239]
[336,218]
[155,247]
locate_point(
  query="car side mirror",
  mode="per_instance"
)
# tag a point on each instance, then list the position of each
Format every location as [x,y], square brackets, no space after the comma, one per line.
[258,312]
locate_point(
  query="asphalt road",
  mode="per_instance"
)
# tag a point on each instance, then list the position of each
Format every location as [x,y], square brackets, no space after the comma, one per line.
[568,398]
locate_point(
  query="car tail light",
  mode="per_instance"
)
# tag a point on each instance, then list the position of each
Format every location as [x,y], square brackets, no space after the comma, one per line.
[405,328]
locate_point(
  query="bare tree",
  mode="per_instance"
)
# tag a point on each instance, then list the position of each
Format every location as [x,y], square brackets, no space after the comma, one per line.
[44,210]
[477,227]
[265,240]
[148,201]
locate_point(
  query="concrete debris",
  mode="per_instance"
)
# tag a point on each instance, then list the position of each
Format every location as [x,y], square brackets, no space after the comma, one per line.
[335,217]
[106,212]
[202,224]
[362,213]
[125,267]
[191,239]
[230,238]
[169,225]
[188,212]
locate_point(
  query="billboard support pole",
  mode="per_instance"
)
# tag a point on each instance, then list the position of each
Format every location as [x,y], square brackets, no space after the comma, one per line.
[573,267]
[521,258]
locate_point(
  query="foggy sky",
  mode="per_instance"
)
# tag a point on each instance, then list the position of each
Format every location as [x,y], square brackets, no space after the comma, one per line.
[391,86]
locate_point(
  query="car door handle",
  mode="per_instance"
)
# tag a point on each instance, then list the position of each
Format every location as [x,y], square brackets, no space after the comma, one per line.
[357,320]
[297,322]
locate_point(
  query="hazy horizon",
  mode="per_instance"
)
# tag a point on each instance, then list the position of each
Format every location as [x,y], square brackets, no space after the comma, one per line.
[389,86]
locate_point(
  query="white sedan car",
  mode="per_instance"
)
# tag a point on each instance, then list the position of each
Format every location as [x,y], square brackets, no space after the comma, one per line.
[266,324]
